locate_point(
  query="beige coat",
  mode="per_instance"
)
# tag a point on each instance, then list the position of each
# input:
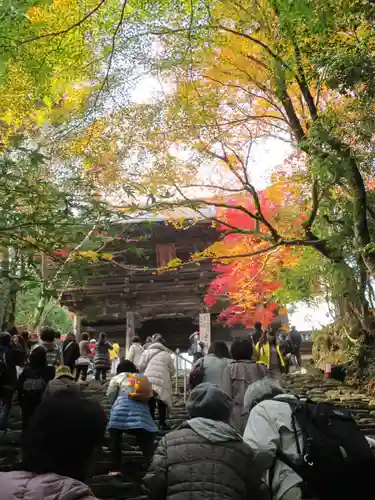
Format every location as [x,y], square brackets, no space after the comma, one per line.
[157,364]
[15,485]
[135,353]
[237,376]
[62,383]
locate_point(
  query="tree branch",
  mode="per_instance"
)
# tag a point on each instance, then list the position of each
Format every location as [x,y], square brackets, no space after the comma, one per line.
[307,225]
[66,30]
[302,82]
[118,26]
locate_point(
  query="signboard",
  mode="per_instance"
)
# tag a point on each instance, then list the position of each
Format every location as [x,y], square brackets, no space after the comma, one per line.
[130,329]
[205,329]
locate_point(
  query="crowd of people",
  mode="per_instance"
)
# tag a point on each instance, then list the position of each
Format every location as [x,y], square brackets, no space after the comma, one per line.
[33,367]
[244,437]
[52,405]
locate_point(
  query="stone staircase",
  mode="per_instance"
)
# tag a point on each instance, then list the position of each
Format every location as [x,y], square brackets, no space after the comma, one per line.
[129,486]
[126,487]
[321,389]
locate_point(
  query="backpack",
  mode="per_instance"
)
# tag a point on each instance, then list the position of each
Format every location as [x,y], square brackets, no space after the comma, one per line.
[335,460]
[33,383]
[53,355]
[139,387]
[197,374]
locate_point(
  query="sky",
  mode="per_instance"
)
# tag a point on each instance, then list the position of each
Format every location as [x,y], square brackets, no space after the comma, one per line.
[307,317]
[266,156]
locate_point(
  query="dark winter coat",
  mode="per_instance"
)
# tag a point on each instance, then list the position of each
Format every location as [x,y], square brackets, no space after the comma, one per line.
[70,350]
[31,399]
[187,466]
[60,384]
[101,357]
[12,356]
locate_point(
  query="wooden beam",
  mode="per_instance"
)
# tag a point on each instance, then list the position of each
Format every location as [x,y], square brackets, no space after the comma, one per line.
[130,329]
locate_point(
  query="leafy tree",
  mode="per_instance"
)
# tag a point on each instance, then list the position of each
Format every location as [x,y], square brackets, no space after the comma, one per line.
[43,212]
[252,279]
[53,57]
[54,315]
[299,72]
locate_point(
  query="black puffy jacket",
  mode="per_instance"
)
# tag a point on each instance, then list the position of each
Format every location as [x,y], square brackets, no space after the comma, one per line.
[187,466]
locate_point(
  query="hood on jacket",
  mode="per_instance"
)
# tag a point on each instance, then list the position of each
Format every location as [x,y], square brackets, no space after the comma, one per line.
[266,388]
[157,346]
[15,485]
[214,431]
[208,401]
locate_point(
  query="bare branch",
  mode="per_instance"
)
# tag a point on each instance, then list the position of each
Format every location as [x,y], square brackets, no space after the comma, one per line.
[110,60]
[254,40]
[66,30]
[221,188]
[307,225]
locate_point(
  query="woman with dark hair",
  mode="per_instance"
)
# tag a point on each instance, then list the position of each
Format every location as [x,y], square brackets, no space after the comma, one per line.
[32,383]
[56,451]
[129,393]
[211,367]
[85,355]
[241,372]
[70,351]
[269,354]
[102,361]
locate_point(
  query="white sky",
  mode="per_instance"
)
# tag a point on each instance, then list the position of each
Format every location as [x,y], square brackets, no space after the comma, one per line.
[266,157]
[306,317]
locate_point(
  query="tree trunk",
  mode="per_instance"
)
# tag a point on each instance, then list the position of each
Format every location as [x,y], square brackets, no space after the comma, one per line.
[10,288]
[356,185]
[38,314]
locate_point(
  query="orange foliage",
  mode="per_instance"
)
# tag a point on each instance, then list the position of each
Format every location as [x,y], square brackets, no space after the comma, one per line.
[250,281]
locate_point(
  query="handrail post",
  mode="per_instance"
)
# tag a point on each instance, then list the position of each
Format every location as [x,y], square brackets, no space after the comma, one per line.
[185,381]
[177,367]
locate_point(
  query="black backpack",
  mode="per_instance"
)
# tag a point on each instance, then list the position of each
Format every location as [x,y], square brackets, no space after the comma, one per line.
[335,460]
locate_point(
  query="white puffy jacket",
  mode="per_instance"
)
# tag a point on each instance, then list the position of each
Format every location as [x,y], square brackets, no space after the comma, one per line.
[157,364]
[269,429]
[135,353]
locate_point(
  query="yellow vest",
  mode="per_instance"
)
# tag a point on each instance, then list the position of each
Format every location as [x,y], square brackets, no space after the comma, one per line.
[264,352]
[114,352]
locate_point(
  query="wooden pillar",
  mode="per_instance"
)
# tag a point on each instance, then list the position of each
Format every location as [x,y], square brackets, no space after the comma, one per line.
[205,329]
[130,329]
[77,326]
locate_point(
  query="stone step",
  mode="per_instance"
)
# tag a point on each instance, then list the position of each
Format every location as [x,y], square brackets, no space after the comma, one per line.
[107,487]
[320,389]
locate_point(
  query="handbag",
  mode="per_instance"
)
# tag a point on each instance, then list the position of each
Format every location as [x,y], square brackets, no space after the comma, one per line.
[197,373]
[82,361]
